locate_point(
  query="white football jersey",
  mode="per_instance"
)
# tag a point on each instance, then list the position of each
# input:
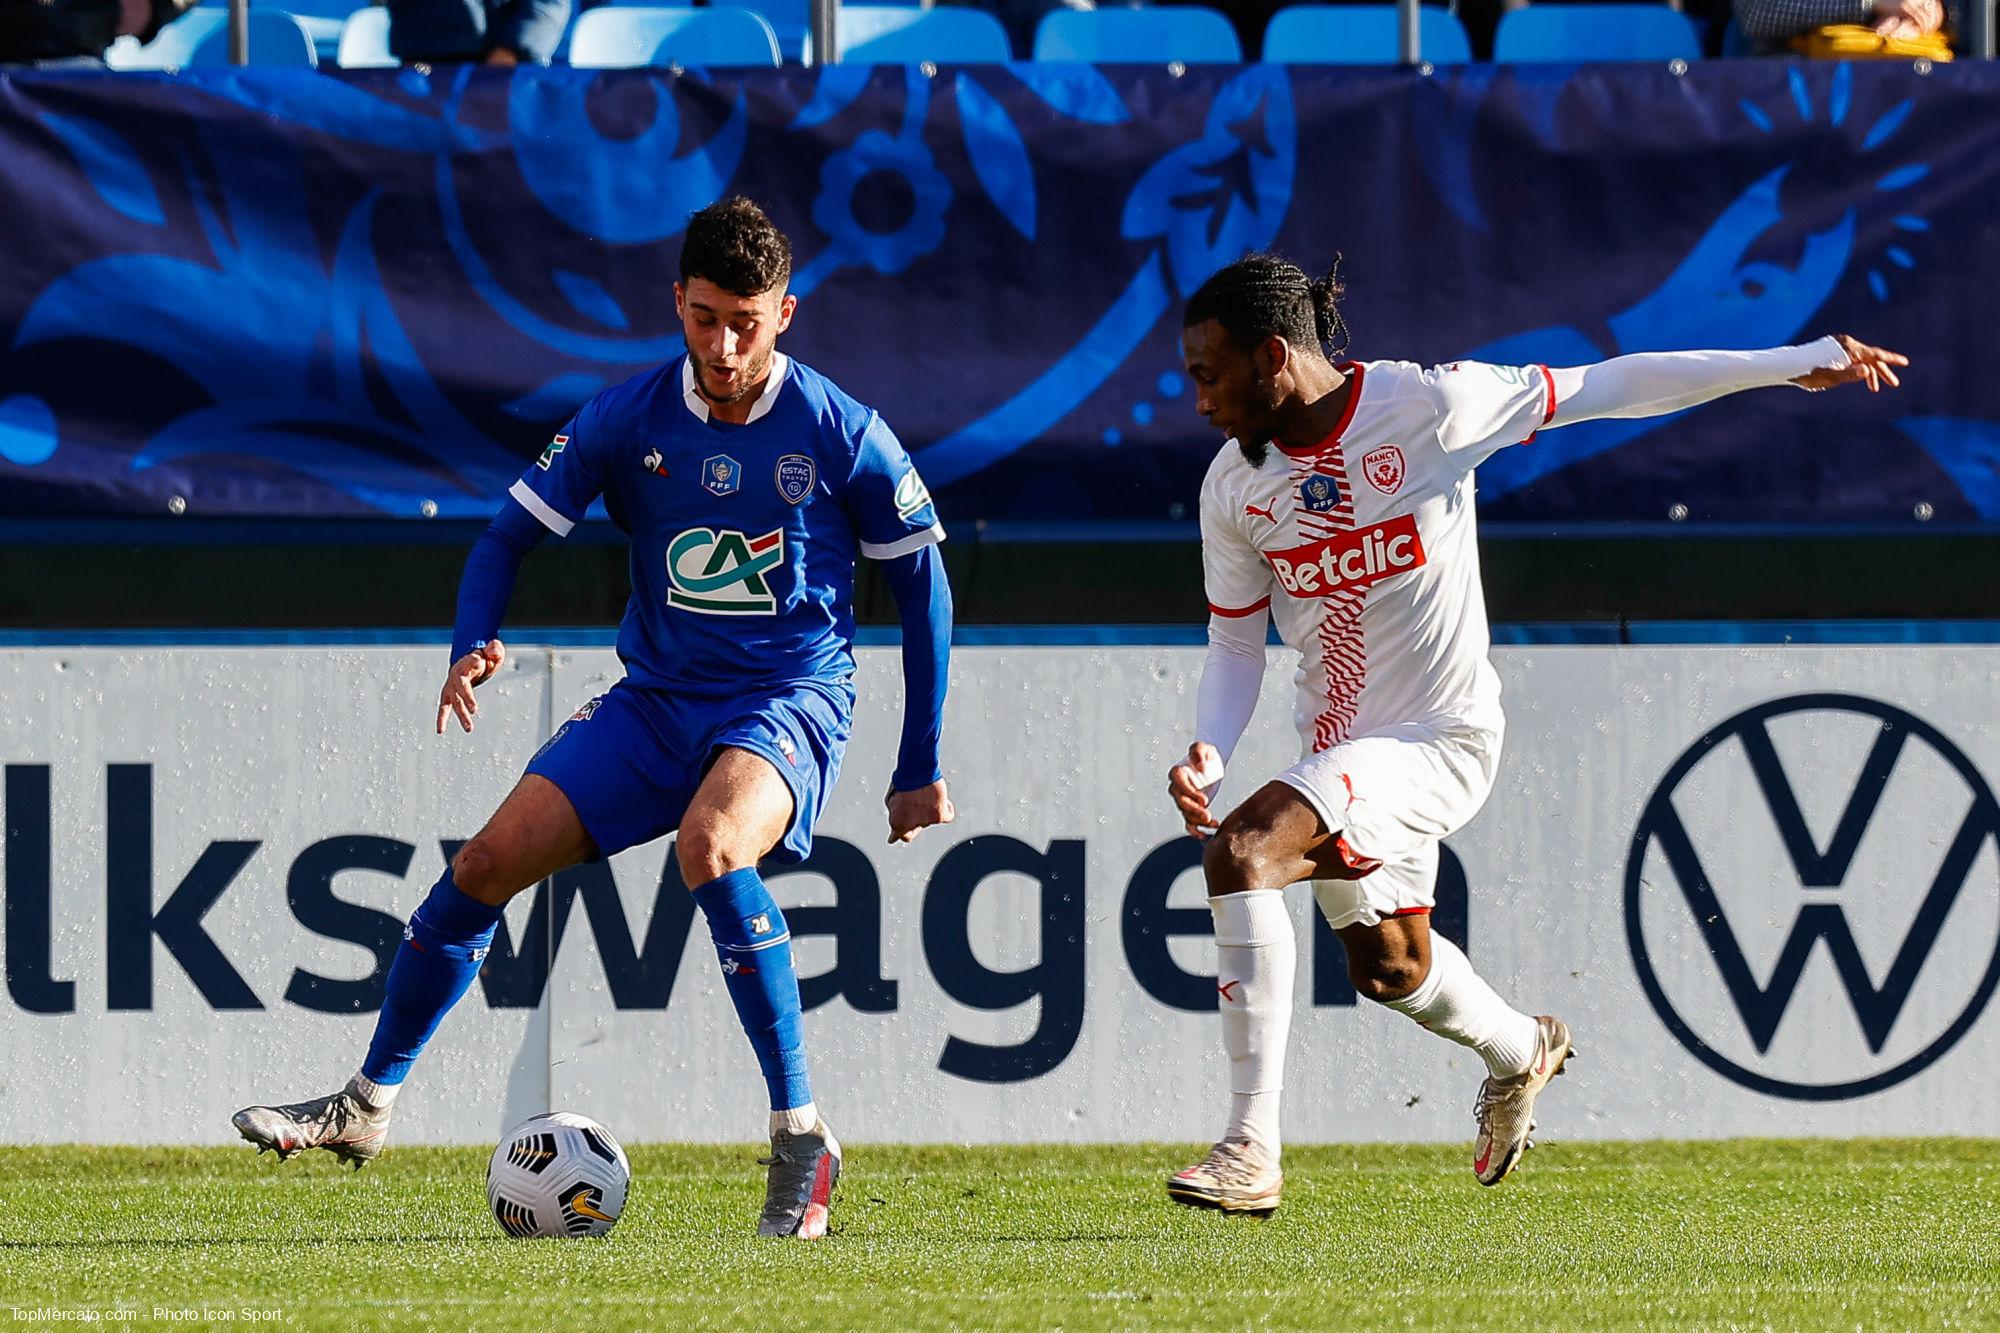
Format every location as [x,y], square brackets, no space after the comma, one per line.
[1363,546]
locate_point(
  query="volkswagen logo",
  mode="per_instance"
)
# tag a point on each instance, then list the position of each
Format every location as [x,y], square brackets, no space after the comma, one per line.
[1812,897]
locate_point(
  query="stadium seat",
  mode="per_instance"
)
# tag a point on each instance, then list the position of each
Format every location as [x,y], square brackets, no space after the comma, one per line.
[1191,34]
[906,35]
[364,40]
[790,19]
[1361,35]
[323,19]
[1595,32]
[623,36]
[199,39]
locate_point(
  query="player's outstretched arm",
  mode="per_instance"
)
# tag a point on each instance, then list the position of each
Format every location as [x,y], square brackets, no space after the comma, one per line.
[1647,384]
[483,593]
[917,797]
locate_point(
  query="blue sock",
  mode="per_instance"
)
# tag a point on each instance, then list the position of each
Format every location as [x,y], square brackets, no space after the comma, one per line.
[442,949]
[755,946]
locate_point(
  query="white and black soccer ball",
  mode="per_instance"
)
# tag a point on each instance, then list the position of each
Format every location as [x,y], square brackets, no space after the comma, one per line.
[557,1175]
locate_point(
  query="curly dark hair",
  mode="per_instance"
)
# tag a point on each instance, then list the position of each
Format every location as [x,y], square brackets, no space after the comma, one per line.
[1264,294]
[735,246]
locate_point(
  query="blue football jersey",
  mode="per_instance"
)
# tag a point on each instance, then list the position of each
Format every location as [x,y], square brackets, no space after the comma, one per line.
[744,538]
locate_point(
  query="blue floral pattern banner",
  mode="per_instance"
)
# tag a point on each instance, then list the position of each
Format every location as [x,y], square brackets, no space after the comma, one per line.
[282,293]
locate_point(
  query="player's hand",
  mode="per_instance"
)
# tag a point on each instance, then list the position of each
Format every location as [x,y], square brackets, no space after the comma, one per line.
[1872,366]
[1189,783]
[911,812]
[468,671]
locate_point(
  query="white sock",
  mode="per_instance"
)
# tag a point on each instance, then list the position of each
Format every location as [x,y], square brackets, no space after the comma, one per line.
[1458,1005]
[379,1096]
[797,1120]
[1256,958]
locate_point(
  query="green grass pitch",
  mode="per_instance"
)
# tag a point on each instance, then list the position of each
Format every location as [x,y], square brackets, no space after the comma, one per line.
[1741,1235]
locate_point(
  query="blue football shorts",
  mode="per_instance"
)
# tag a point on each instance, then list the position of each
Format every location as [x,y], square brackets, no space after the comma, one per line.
[631,759]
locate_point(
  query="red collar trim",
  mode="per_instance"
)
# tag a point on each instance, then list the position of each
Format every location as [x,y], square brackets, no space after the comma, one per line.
[1354,369]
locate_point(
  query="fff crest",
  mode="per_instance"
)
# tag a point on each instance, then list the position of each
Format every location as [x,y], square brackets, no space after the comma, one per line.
[721,475]
[1319,493]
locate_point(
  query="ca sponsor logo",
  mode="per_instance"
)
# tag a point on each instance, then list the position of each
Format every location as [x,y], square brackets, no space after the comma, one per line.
[556,446]
[722,572]
[1812,897]
[1350,560]
[911,495]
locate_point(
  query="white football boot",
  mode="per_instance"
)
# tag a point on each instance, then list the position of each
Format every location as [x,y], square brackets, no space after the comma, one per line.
[1506,1106]
[1235,1177]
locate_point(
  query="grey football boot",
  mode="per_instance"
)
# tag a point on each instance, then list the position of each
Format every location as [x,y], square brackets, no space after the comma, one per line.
[339,1122]
[798,1192]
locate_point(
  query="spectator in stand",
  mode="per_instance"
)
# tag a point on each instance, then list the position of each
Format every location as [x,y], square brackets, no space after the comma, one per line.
[1019,18]
[57,33]
[1772,24]
[489,32]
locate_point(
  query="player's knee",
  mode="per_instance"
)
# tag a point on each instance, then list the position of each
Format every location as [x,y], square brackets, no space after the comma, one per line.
[479,873]
[706,851]
[1237,858]
[1384,979]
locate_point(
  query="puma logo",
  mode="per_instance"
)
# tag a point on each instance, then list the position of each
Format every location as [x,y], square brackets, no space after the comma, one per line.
[1252,511]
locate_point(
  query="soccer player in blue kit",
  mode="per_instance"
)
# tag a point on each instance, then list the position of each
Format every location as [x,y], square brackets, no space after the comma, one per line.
[747,483]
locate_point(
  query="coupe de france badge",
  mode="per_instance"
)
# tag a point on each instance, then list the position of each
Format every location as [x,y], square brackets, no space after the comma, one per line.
[796,475]
[1319,493]
[721,475]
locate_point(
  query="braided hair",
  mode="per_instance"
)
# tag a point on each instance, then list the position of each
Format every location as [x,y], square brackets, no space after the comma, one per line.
[1262,294]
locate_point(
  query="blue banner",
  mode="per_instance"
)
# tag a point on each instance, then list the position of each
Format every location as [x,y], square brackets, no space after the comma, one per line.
[282,293]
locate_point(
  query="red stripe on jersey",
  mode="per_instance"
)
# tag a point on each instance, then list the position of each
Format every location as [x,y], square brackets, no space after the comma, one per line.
[1234,611]
[1343,650]
[1549,410]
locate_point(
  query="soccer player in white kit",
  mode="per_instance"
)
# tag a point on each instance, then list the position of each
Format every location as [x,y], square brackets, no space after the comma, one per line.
[1341,509]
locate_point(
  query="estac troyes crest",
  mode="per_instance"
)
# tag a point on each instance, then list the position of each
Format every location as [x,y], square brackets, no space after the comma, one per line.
[722,572]
[721,475]
[796,475]
[1319,493]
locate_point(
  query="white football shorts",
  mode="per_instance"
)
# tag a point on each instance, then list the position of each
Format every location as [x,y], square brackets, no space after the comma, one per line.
[1392,796]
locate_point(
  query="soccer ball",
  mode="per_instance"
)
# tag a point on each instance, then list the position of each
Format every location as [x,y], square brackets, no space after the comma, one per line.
[557,1175]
